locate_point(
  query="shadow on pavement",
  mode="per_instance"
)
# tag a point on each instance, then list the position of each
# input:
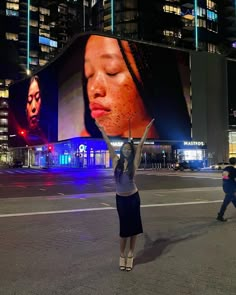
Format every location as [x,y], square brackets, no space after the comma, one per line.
[154,249]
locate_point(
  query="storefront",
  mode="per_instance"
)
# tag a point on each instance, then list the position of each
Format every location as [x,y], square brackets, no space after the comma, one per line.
[190,150]
[93,153]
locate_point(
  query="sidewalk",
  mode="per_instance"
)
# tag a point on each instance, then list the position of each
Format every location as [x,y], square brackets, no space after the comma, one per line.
[183,250]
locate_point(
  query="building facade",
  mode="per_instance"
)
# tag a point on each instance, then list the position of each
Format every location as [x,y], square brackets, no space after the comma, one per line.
[35,31]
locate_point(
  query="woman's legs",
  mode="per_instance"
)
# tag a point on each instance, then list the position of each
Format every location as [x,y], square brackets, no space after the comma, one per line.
[130,257]
[132,246]
[122,262]
[123,242]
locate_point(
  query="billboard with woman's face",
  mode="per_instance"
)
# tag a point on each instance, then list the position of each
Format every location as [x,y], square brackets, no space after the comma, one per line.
[33,114]
[118,83]
[123,85]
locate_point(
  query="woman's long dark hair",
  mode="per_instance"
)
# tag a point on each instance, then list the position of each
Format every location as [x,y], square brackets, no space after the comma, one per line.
[160,88]
[119,170]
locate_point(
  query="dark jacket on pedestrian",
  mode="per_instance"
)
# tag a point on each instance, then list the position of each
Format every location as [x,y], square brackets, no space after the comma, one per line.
[229,180]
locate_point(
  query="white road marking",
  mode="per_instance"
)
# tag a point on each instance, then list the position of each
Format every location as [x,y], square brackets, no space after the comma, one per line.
[105,204]
[103,208]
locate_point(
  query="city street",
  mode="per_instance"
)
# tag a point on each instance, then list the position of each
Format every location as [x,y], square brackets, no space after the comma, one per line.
[59,234]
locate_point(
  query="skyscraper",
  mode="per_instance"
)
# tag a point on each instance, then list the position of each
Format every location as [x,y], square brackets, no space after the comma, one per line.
[32,32]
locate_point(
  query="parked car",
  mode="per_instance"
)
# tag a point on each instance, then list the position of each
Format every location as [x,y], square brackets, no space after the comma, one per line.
[219,166]
[190,165]
[16,164]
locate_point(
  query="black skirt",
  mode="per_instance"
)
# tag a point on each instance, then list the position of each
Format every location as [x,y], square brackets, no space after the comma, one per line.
[128,208]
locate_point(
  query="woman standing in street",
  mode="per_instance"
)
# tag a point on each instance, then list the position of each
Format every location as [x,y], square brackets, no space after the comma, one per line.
[127,195]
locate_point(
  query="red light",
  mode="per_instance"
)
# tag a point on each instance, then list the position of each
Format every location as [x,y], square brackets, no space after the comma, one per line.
[50,148]
[22,132]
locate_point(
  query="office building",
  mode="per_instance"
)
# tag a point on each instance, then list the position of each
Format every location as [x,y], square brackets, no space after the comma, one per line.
[35,31]
[32,32]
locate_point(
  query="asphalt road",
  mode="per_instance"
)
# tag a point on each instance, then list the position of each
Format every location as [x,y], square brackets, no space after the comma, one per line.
[59,235]
[33,182]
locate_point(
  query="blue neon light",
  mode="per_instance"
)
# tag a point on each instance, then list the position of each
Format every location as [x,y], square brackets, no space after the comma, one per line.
[28,36]
[196,26]
[47,41]
[211,15]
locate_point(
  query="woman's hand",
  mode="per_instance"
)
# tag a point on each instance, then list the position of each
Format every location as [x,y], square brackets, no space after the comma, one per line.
[150,124]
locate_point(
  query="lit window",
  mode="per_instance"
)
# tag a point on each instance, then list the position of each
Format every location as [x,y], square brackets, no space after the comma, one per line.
[33,8]
[3,121]
[11,36]
[45,48]
[3,137]
[211,15]
[211,48]
[34,61]
[44,11]
[33,23]
[3,129]
[12,12]
[42,62]
[211,5]
[45,27]
[12,6]
[47,41]
[201,23]
[5,94]
[172,9]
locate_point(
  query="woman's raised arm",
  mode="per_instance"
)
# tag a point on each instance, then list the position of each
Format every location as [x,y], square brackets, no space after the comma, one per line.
[112,152]
[140,145]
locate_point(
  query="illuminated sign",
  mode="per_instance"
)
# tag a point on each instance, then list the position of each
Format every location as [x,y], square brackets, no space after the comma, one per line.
[117,143]
[197,143]
[47,41]
[82,148]
[120,143]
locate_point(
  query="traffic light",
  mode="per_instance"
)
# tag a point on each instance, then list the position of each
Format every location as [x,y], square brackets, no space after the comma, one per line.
[22,132]
[50,148]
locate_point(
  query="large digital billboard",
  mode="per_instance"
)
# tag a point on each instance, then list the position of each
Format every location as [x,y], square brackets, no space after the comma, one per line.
[33,109]
[121,84]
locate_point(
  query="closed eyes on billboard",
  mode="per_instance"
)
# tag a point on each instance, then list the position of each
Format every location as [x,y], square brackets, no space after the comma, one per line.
[120,84]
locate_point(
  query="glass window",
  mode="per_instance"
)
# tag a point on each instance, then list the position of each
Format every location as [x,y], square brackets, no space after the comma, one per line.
[4,93]
[44,11]
[172,9]
[34,61]
[3,129]
[211,5]
[33,23]
[12,6]
[3,137]
[11,36]
[33,8]
[10,12]
[3,121]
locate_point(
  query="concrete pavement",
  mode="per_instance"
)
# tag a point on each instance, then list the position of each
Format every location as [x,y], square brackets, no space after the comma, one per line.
[183,250]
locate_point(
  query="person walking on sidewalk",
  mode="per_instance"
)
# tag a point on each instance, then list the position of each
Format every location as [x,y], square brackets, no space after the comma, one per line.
[229,187]
[127,195]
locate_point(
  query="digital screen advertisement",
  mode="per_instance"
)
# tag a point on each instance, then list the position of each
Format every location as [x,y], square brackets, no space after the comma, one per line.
[33,110]
[117,84]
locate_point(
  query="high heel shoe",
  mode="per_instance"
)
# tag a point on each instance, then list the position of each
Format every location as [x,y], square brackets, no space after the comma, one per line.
[122,263]
[129,263]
